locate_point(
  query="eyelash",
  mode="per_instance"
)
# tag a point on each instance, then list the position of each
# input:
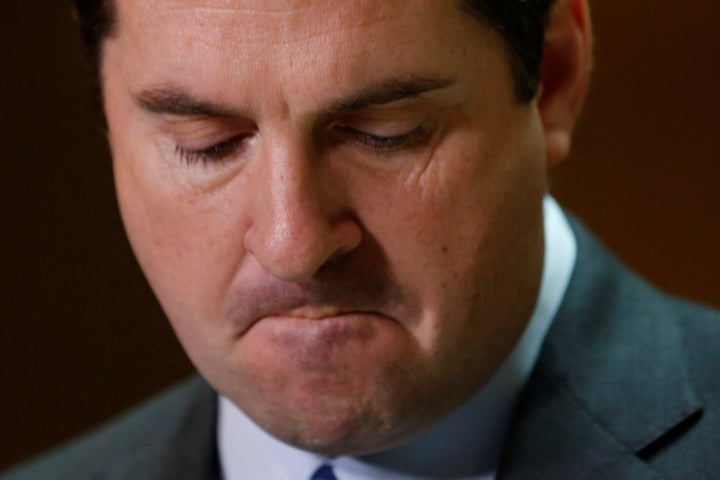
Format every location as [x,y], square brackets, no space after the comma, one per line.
[220,152]
[217,153]
[388,144]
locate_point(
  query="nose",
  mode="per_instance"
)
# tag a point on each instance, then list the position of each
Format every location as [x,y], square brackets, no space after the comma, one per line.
[301,219]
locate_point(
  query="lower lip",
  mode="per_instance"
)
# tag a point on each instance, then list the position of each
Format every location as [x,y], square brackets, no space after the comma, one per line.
[329,329]
[317,341]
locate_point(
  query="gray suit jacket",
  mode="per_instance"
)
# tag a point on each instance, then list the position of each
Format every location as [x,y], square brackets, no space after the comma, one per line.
[626,387]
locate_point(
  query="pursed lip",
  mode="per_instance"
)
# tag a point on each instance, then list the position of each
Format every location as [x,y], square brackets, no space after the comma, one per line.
[315,334]
[310,312]
[312,316]
[356,292]
[318,317]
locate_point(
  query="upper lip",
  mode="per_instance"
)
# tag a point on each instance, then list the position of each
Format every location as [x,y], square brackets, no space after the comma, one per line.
[313,312]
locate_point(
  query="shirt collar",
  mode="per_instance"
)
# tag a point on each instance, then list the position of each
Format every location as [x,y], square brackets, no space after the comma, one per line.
[466,444]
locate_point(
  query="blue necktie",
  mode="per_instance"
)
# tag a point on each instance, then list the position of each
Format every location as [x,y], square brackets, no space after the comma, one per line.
[324,473]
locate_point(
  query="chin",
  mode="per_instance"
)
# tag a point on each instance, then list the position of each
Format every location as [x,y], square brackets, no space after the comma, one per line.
[339,417]
[334,430]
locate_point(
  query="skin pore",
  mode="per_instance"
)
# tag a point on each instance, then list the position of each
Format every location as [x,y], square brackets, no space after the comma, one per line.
[340,214]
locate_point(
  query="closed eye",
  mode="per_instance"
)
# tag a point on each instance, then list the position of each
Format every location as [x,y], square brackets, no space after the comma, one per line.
[222,151]
[217,153]
[385,144]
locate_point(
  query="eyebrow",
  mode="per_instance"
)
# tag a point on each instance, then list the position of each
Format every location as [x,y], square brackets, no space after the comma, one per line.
[390,91]
[175,101]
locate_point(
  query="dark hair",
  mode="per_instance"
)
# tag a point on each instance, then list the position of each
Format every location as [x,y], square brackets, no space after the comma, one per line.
[97,20]
[521,23]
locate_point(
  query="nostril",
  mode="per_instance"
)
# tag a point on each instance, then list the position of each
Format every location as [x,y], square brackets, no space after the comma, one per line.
[348,236]
[297,254]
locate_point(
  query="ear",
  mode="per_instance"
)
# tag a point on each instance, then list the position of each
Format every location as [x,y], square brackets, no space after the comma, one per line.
[565,73]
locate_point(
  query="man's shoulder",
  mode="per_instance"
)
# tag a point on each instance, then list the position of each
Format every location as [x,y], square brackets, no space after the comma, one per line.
[148,434]
[626,381]
[603,289]
[612,316]
[699,321]
[620,301]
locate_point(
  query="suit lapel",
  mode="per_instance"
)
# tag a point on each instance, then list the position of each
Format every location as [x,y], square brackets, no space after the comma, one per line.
[555,438]
[611,381]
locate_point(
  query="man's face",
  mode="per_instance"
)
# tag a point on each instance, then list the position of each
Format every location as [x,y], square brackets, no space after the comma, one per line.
[338,204]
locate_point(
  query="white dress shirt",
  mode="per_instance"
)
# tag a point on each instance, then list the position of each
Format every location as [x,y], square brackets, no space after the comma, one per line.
[465,445]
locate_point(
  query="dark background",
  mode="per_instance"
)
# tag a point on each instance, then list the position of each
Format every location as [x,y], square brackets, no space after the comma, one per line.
[82,336]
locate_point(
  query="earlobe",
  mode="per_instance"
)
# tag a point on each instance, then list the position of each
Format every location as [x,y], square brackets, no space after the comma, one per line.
[565,74]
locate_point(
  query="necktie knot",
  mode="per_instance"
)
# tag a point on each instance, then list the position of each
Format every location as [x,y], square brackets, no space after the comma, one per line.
[325,472]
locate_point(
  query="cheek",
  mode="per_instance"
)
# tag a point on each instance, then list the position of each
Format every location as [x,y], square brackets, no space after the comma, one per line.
[464,233]
[186,239]
[187,246]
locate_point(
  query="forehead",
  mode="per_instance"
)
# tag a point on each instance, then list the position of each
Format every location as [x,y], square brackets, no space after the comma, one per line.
[299,47]
[241,27]
[278,21]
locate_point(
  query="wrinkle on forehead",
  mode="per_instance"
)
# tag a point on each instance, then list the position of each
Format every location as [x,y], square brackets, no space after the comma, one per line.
[193,38]
[256,21]
[292,56]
